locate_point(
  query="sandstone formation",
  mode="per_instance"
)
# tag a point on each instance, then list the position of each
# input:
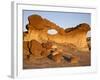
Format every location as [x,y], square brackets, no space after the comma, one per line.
[89,42]
[38,27]
[36,49]
[60,48]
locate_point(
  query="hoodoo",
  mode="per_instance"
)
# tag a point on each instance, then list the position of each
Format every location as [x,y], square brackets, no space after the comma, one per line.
[38,30]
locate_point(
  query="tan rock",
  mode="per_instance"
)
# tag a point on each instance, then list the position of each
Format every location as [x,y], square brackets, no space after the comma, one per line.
[38,28]
[47,45]
[25,50]
[35,48]
[57,57]
[74,59]
[36,21]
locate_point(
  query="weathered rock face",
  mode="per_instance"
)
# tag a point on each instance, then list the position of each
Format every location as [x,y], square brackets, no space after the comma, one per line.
[35,49]
[38,28]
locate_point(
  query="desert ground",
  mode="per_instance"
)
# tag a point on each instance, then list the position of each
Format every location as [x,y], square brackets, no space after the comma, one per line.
[85,60]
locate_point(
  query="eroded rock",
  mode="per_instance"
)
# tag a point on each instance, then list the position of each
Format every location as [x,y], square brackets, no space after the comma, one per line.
[38,28]
[35,48]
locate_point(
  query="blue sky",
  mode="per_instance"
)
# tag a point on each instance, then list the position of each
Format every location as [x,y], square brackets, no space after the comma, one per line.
[63,19]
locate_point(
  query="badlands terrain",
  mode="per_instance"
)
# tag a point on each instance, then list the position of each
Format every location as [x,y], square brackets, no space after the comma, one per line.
[69,47]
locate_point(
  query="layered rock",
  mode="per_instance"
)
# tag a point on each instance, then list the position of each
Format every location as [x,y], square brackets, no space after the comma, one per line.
[38,28]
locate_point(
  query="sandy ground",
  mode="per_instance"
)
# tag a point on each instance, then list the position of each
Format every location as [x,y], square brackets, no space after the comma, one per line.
[49,63]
